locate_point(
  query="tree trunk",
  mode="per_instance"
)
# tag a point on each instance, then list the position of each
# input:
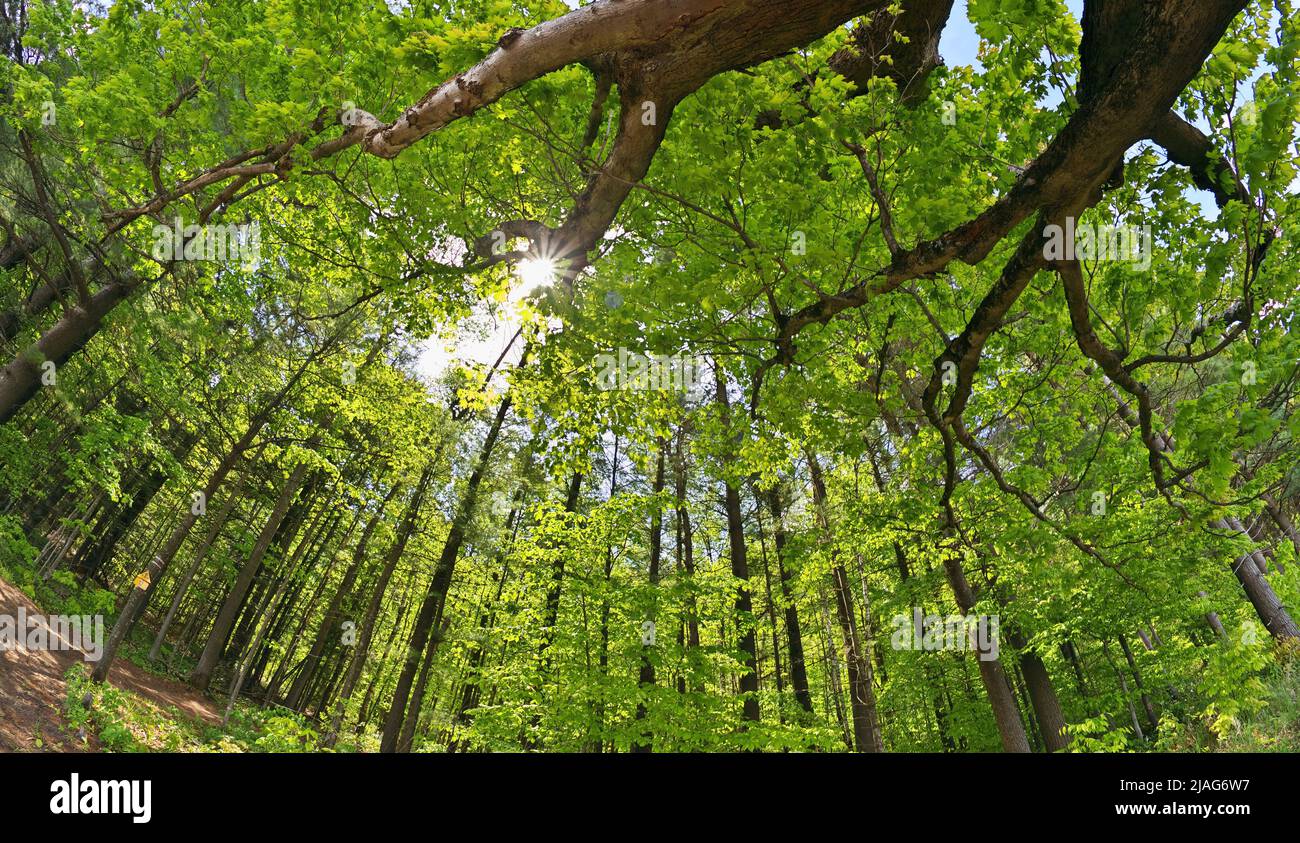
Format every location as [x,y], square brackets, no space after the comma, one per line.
[334,613]
[430,614]
[866,727]
[777,673]
[1152,719]
[366,631]
[1042,696]
[21,378]
[646,679]
[744,610]
[686,556]
[221,627]
[407,736]
[92,558]
[1277,620]
[182,587]
[1005,710]
[793,634]
[479,649]
[138,600]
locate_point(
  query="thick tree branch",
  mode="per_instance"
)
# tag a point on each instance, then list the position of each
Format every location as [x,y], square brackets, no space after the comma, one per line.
[902,47]
[1187,145]
[1168,47]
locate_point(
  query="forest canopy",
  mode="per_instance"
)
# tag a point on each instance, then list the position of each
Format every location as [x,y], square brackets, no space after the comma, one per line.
[834,398]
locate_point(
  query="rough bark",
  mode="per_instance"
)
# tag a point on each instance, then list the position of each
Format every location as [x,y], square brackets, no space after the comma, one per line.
[21,378]
[1042,696]
[1006,712]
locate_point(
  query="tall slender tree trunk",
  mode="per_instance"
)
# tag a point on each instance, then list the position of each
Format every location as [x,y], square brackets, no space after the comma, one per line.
[777,673]
[407,736]
[686,558]
[242,670]
[832,692]
[551,607]
[744,609]
[93,557]
[1003,701]
[555,589]
[646,679]
[290,610]
[603,661]
[430,614]
[793,633]
[285,540]
[182,587]
[1123,686]
[226,616]
[361,648]
[143,587]
[1152,719]
[334,613]
[479,649]
[1046,705]
[862,697]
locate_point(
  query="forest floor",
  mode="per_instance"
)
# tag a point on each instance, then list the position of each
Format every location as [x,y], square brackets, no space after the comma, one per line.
[33,688]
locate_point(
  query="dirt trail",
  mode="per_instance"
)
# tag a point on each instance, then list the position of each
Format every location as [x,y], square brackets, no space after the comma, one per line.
[32,691]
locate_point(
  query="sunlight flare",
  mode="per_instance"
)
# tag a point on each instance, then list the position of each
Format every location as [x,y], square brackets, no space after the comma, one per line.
[534,273]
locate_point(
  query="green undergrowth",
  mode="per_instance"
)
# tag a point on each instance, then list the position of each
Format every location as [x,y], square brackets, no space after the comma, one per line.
[128,722]
[1274,725]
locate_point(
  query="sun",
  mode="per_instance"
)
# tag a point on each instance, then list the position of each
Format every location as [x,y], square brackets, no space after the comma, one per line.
[534,273]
